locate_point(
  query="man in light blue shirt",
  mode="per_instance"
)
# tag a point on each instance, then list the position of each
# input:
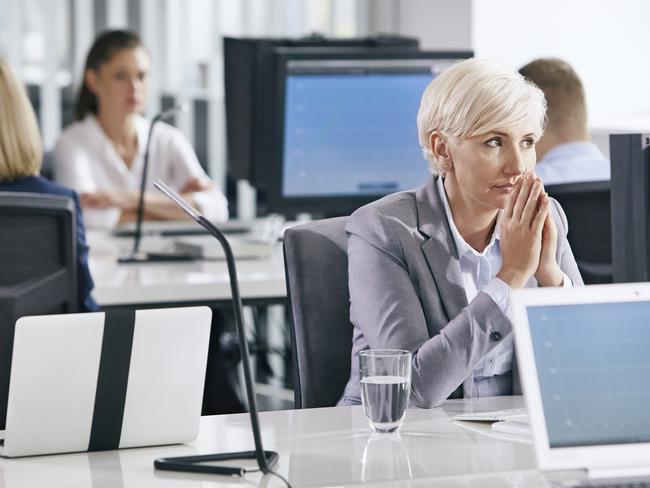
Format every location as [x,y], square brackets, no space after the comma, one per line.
[564,153]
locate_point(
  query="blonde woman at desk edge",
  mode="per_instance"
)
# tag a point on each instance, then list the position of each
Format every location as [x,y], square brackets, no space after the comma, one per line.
[101,154]
[431,270]
[21,157]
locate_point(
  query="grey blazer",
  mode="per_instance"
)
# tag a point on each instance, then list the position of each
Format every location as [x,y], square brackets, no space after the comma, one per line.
[406,292]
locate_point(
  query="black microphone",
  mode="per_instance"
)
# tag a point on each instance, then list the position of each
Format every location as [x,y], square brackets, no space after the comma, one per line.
[265,459]
[136,256]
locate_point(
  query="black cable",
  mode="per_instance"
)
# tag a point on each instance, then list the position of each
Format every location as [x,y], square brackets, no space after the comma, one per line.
[281,477]
[257,470]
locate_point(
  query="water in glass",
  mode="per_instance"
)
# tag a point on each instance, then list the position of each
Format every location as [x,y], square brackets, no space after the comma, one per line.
[385,399]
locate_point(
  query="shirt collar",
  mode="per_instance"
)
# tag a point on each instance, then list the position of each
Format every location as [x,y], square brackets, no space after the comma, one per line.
[461,246]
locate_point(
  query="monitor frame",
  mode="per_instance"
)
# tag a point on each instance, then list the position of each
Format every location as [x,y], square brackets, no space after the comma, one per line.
[630,205]
[273,147]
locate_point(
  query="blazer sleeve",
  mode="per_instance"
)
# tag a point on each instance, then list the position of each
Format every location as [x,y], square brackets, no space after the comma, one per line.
[386,306]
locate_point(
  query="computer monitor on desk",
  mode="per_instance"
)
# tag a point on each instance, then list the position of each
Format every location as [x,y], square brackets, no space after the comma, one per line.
[249,66]
[587,208]
[343,129]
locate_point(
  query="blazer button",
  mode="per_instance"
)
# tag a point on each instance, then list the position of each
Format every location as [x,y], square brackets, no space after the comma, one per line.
[495,336]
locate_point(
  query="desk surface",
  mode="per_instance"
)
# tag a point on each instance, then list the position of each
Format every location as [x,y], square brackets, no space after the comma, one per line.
[317,447]
[116,284]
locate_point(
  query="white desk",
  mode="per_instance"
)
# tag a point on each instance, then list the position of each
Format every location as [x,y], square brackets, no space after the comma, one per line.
[190,282]
[317,447]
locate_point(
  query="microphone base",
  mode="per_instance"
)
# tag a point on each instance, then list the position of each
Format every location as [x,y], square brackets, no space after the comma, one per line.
[156,257]
[199,464]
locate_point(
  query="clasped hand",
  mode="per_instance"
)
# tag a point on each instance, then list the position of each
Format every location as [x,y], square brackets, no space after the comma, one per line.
[528,237]
[123,200]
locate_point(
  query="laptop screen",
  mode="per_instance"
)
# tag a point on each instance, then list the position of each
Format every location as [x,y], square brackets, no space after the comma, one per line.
[593,365]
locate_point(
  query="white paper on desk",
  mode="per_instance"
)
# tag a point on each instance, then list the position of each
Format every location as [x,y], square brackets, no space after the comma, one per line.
[494,415]
[485,428]
[512,427]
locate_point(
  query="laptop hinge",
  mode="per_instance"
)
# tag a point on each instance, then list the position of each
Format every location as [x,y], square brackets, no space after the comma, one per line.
[626,472]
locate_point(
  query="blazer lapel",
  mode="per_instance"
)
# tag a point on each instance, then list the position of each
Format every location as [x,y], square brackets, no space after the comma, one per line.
[439,249]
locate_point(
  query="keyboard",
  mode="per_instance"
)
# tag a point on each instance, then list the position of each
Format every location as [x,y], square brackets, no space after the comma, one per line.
[629,483]
[172,228]
[493,416]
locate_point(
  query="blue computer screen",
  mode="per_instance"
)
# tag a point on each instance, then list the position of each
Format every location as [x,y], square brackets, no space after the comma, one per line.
[593,363]
[352,133]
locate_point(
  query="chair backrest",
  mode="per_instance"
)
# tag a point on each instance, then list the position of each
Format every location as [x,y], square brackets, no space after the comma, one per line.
[587,207]
[316,265]
[38,263]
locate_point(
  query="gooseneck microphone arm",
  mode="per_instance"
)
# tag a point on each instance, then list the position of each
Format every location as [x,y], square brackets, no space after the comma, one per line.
[145,169]
[243,342]
[265,459]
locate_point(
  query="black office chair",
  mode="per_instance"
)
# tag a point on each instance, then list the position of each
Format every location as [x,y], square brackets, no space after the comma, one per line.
[38,266]
[316,265]
[587,207]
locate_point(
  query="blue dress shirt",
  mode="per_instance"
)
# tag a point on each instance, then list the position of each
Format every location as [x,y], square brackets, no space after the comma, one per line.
[573,162]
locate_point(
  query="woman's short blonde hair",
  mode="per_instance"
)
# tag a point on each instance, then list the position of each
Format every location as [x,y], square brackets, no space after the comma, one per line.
[21,152]
[474,97]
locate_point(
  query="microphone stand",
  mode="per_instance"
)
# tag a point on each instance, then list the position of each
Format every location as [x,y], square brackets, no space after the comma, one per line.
[265,459]
[136,256]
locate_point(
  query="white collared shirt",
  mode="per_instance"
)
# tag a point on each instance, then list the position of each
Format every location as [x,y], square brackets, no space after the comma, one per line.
[479,270]
[86,160]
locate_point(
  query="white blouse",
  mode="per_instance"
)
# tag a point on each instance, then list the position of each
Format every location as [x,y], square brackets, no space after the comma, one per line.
[86,161]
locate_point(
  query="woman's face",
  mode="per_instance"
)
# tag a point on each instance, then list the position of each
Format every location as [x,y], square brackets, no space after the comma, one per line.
[120,84]
[483,169]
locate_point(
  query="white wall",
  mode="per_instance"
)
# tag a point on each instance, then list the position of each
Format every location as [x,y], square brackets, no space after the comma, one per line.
[605,41]
[439,24]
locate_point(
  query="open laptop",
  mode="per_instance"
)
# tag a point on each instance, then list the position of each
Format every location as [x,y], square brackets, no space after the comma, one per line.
[584,360]
[94,381]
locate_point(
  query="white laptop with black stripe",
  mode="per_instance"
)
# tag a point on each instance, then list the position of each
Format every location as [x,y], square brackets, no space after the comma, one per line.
[94,381]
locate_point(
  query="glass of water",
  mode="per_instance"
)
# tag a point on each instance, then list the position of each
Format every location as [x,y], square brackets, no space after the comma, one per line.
[385,387]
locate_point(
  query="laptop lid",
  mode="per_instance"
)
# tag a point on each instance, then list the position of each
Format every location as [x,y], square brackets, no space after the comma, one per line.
[584,359]
[106,380]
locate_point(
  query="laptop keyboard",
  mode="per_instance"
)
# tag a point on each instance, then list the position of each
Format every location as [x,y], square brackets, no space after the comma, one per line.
[493,416]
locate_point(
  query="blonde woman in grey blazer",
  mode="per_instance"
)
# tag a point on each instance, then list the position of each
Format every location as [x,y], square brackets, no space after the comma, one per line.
[431,270]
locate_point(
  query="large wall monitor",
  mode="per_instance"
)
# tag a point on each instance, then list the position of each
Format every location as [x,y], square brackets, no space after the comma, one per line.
[344,131]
